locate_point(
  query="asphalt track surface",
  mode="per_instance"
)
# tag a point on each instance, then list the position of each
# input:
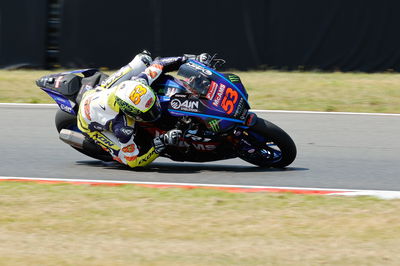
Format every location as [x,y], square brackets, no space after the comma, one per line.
[346,151]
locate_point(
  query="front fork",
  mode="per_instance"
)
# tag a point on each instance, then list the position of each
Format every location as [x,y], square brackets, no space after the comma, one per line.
[247,144]
[240,135]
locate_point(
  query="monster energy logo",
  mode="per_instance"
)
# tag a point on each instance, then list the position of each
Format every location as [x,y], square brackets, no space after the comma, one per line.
[214,125]
[233,78]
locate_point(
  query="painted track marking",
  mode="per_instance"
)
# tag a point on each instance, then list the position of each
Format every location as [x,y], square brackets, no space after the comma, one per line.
[230,188]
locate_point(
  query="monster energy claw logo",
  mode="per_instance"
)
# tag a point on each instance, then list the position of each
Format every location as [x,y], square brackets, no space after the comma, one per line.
[214,124]
[233,78]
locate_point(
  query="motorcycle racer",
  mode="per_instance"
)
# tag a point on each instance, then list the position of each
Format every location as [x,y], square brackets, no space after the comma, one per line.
[107,113]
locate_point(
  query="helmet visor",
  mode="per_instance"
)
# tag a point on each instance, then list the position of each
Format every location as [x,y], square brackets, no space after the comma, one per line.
[152,114]
[138,101]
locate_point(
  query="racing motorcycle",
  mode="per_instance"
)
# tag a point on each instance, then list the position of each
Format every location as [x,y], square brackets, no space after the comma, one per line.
[211,109]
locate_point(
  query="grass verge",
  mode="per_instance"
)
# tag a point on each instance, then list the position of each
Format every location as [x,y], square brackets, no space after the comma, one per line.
[351,92]
[96,225]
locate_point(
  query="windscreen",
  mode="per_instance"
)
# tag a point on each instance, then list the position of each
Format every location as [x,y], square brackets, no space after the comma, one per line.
[197,81]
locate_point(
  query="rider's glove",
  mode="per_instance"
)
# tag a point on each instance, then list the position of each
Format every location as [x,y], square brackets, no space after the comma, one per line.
[170,138]
[145,56]
[204,58]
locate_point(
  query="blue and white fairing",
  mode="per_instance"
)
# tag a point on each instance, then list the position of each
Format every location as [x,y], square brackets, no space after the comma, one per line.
[62,102]
[220,100]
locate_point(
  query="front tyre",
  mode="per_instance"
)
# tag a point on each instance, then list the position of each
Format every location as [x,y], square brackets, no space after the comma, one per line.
[273,147]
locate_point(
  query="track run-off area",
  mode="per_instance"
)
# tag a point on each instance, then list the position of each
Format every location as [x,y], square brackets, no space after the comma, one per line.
[353,152]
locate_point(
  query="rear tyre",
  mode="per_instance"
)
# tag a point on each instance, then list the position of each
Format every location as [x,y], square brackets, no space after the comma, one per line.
[277,148]
[65,120]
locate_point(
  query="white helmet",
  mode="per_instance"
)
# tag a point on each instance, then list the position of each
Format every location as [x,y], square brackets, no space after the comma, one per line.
[138,101]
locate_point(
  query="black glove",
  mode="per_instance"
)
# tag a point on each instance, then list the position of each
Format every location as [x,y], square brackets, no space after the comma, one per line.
[145,56]
[170,138]
[204,58]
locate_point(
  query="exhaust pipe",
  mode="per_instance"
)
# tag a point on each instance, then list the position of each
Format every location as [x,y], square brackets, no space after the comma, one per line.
[72,138]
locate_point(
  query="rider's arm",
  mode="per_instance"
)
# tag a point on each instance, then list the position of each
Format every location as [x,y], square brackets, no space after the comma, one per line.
[159,66]
[130,153]
[135,67]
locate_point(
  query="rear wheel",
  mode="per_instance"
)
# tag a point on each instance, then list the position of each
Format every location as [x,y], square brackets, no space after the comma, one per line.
[273,147]
[67,121]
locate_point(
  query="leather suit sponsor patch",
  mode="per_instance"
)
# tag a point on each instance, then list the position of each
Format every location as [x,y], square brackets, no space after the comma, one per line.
[129,148]
[87,107]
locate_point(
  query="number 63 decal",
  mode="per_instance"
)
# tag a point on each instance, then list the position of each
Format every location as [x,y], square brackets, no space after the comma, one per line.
[228,103]
[137,93]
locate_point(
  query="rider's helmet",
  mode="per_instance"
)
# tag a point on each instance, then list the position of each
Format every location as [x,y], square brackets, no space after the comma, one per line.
[138,101]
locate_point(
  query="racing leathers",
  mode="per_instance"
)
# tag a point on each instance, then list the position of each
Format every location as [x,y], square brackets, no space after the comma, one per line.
[101,118]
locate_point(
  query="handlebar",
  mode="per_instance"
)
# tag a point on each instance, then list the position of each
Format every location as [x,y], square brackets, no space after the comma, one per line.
[208,60]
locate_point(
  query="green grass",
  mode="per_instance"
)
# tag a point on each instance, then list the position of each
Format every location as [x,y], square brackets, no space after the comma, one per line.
[96,225]
[352,92]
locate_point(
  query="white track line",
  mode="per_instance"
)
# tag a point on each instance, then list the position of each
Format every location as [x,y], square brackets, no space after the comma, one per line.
[29,104]
[383,194]
[319,112]
[253,110]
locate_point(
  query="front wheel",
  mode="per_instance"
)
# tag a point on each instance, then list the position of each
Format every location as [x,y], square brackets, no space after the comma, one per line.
[272,146]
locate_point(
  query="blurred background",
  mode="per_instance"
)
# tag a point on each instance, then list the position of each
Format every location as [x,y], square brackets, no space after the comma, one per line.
[356,35]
